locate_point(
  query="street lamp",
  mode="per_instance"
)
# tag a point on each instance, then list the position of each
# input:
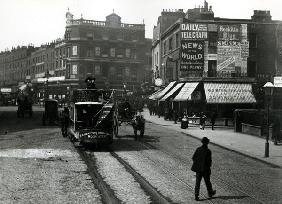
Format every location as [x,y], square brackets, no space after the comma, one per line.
[47,84]
[268,91]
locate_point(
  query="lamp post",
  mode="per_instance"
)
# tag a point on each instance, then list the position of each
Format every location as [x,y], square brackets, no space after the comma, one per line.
[67,97]
[47,83]
[268,91]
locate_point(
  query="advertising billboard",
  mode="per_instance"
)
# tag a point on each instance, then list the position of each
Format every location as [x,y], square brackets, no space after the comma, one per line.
[192,55]
[195,31]
[232,49]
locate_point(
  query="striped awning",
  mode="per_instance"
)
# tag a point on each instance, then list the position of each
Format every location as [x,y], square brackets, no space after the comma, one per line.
[229,93]
[152,97]
[172,91]
[186,91]
[165,90]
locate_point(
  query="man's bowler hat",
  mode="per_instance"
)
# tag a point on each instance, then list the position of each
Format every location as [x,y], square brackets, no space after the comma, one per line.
[205,140]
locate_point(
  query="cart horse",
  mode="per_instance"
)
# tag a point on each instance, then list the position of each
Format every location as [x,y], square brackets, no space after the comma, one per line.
[128,115]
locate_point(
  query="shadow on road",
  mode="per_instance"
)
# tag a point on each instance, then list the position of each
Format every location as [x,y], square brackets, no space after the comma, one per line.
[9,122]
[226,198]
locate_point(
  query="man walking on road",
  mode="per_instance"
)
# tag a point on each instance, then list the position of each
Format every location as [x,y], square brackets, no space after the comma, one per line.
[213,117]
[202,160]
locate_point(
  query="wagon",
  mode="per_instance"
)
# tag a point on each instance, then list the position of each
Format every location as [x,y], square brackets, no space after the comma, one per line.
[128,113]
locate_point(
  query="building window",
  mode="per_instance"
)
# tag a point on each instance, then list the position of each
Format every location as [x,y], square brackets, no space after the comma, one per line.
[176,40]
[112,73]
[212,42]
[97,69]
[127,52]
[113,52]
[90,35]
[170,44]
[97,51]
[74,50]
[89,52]
[164,48]
[133,74]
[119,73]
[74,69]
[127,72]
[157,58]
[68,52]
[67,36]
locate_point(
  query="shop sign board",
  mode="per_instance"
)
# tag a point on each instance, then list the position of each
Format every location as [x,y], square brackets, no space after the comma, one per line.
[194,31]
[192,55]
[6,90]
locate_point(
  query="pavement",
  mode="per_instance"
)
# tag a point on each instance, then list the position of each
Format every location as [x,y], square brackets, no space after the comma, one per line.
[247,145]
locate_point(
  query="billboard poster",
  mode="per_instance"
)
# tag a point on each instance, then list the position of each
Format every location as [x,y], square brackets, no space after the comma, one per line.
[229,32]
[192,55]
[232,49]
[194,31]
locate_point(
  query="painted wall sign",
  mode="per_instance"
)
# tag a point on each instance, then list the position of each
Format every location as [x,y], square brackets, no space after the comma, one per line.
[192,55]
[194,31]
[232,49]
[229,32]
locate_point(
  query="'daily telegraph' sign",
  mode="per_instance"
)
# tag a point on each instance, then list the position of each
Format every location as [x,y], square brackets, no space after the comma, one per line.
[194,31]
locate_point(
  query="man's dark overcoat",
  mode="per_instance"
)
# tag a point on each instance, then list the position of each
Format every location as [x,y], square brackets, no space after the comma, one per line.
[202,160]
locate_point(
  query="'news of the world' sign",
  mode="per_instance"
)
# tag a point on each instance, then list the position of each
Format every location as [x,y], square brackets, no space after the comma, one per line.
[194,31]
[192,55]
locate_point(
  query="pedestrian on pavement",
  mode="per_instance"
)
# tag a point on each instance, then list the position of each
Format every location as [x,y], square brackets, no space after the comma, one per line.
[202,161]
[65,121]
[213,117]
[202,121]
[276,131]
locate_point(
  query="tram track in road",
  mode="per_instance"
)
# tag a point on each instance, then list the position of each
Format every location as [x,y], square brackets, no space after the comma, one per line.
[156,197]
[247,195]
[107,193]
[163,169]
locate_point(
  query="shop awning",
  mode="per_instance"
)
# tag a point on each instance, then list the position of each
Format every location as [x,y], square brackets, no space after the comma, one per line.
[229,93]
[186,91]
[172,91]
[165,90]
[152,97]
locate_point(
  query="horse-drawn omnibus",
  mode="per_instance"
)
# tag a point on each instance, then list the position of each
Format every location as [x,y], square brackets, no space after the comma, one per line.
[92,117]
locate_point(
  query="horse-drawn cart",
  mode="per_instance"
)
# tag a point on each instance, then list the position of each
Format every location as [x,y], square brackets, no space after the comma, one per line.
[128,113]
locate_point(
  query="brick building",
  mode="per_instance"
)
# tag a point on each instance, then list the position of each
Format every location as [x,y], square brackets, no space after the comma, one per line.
[112,51]
[227,61]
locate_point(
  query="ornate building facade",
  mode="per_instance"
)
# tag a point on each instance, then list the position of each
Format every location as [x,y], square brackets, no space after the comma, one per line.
[111,51]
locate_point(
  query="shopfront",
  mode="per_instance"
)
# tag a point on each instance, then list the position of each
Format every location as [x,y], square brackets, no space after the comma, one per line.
[224,98]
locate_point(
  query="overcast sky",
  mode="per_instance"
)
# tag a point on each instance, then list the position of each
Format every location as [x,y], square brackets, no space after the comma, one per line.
[39,21]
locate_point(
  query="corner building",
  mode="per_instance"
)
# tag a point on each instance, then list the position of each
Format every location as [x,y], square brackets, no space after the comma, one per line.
[222,63]
[111,51]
